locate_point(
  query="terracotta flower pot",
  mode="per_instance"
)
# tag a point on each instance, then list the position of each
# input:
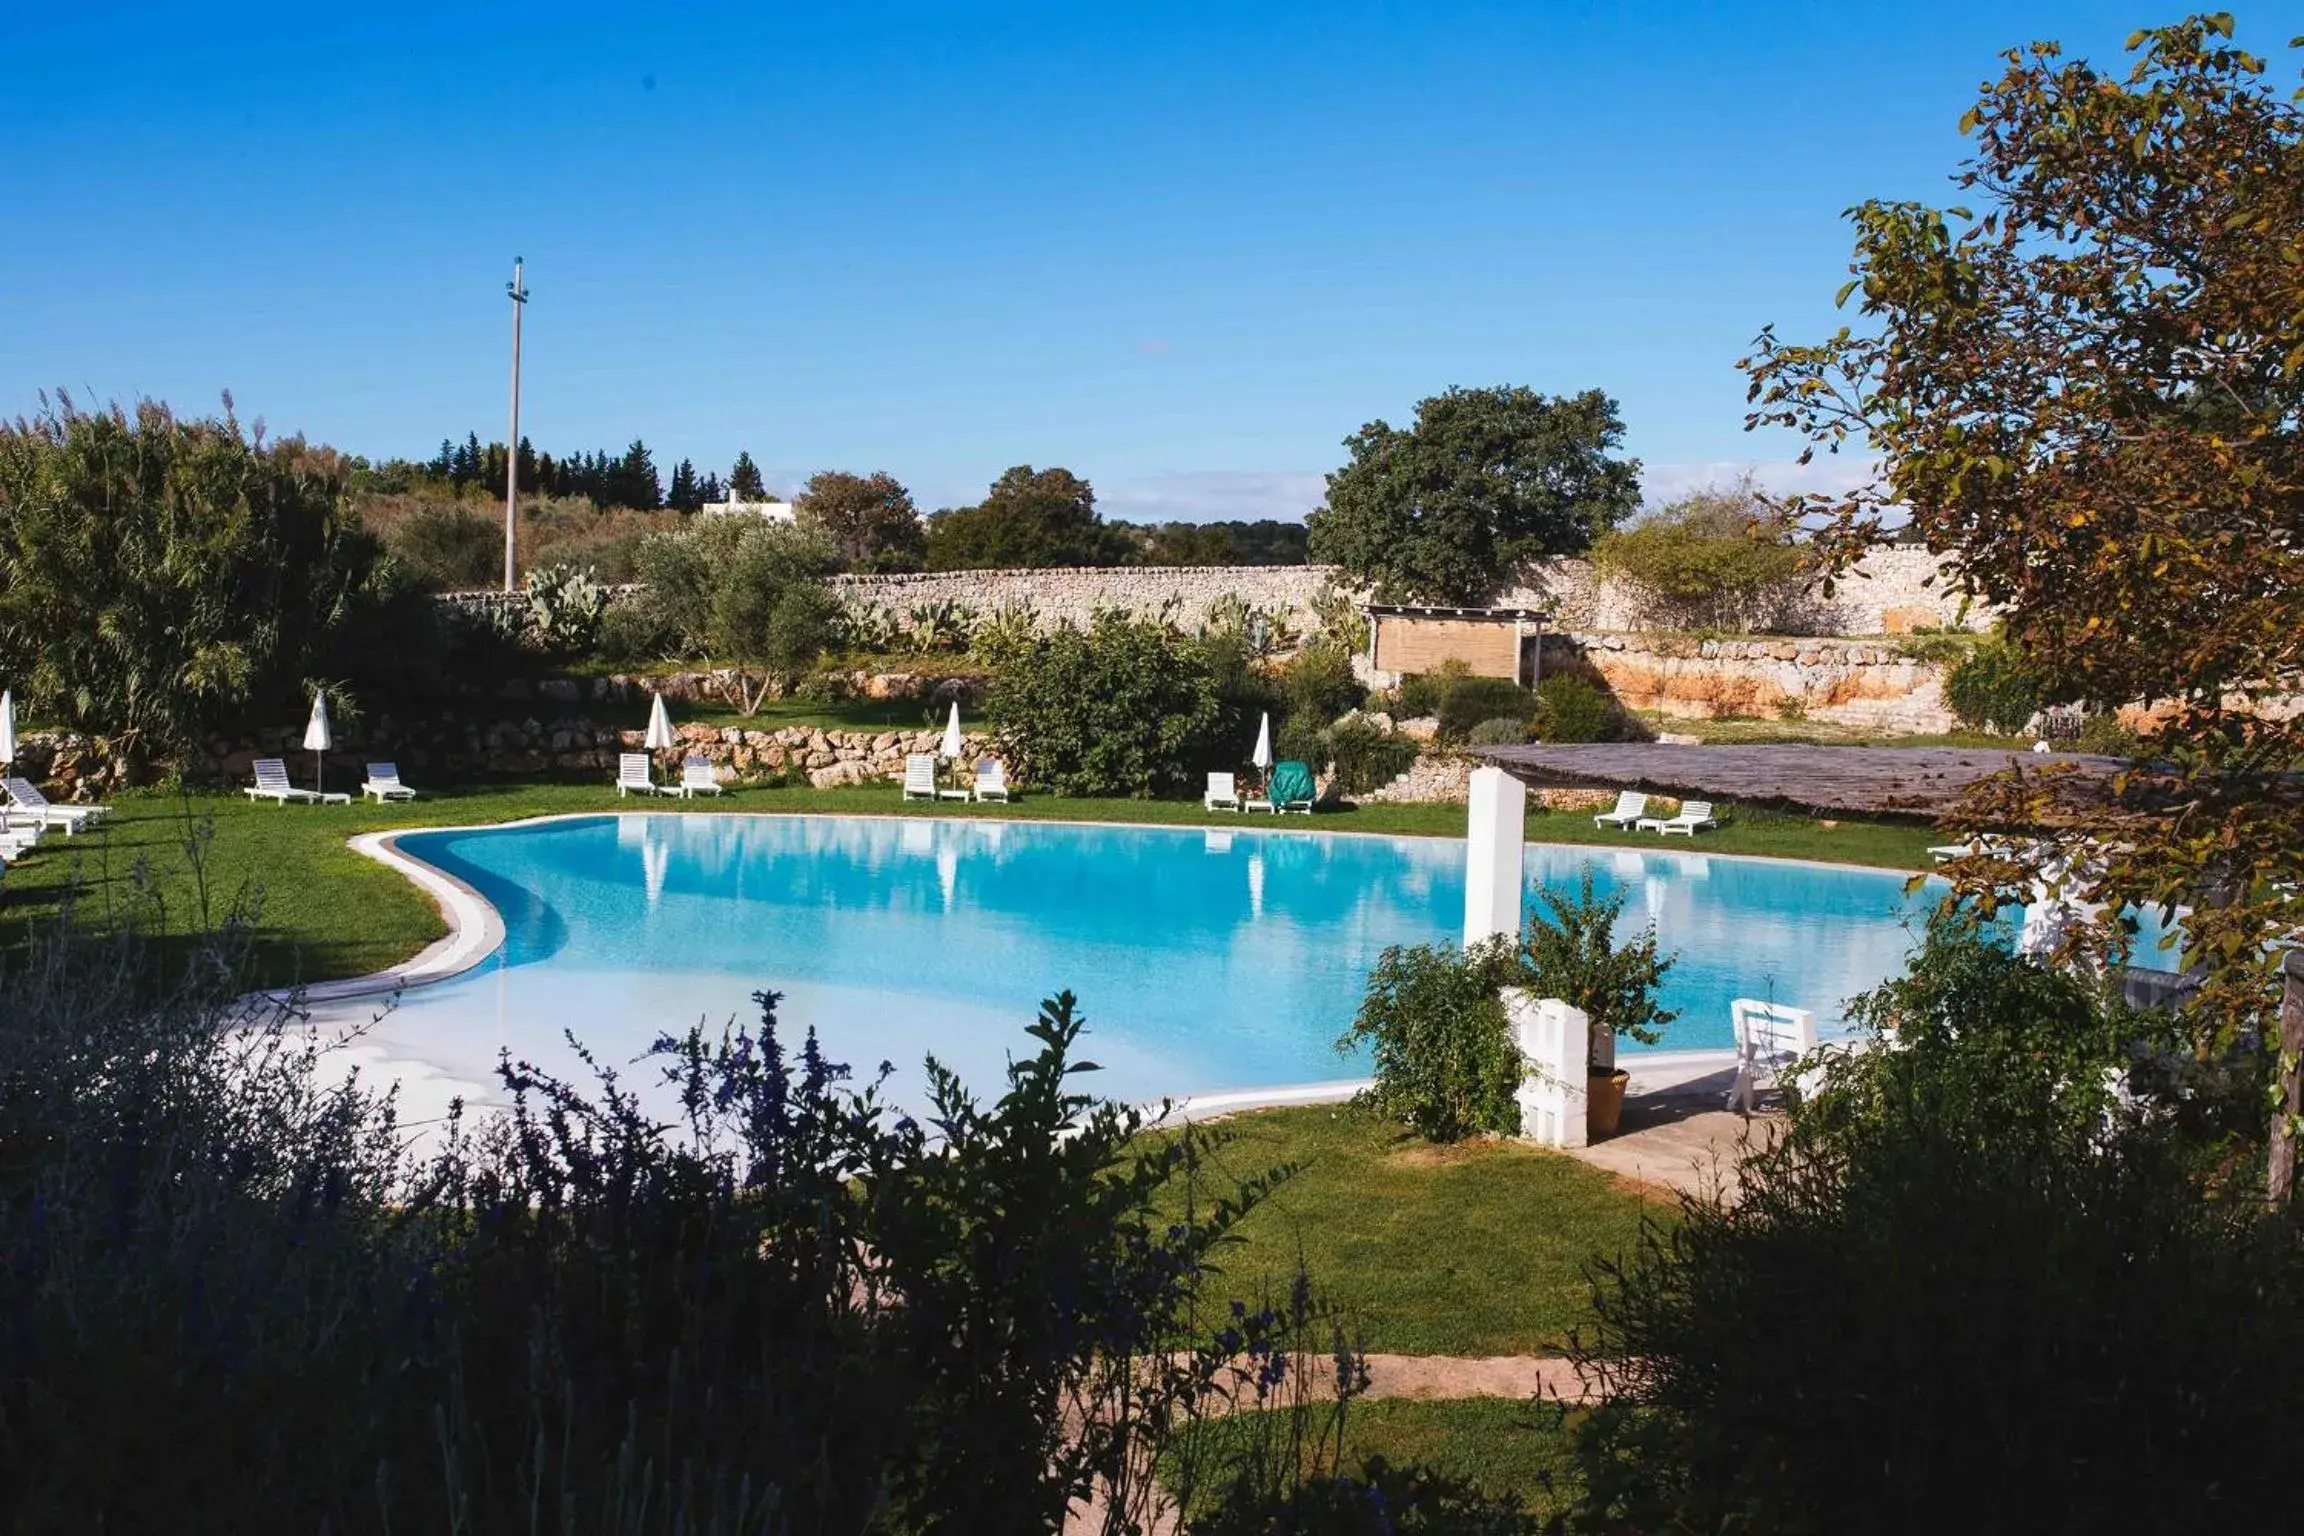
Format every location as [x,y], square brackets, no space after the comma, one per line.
[1604,1104]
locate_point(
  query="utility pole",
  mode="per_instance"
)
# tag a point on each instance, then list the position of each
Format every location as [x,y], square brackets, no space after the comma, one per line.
[519,292]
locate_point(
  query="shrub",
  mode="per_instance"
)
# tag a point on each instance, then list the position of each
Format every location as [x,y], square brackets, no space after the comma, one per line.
[1446,1064]
[1504,730]
[2103,733]
[1570,708]
[1965,1250]
[1993,688]
[161,579]
[791,1310]
[1718,559]
[1317,683]
[1466,701]
[450,546]
[1364,755]
[1119,708]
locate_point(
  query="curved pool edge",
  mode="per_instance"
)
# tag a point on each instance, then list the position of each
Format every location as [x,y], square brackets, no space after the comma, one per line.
[476,929]
[1651,1072]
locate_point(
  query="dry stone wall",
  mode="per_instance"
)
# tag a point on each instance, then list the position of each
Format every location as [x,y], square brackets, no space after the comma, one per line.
[1891,591]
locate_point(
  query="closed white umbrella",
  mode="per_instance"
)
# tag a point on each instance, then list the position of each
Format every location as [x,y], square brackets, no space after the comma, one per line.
[949,748]
[316,737]
[660,736]
[1262,756]
[7,726]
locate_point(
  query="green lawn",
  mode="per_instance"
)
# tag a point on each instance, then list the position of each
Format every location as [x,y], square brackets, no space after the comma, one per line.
[1476,1249]
[327,912]
[1502,1447]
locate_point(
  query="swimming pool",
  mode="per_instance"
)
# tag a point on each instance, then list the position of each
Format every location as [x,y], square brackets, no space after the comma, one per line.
[1204,959]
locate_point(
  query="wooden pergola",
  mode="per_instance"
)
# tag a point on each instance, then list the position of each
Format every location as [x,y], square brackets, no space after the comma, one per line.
[1869,781]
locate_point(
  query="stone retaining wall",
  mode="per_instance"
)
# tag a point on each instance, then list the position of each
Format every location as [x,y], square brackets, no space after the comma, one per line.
[563,748]
[1844,682]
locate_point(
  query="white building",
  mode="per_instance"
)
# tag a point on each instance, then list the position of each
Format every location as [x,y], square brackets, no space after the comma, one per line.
[773,511]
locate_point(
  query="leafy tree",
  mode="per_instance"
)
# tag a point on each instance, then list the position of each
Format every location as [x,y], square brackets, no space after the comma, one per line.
[870,519]
[745,594]
[1029,518]
[685,495]
[1486,480]
[1120,708]
[2088,394]
[1719,558]
[162,578]
[744,482]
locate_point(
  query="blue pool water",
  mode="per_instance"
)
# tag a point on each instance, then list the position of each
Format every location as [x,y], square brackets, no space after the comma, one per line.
[1204,960]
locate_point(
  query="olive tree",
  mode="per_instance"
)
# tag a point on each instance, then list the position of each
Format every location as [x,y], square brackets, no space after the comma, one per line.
[746,595]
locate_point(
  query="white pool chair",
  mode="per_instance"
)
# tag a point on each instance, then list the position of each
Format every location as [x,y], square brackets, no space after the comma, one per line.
[696,778]
[1630,807]
[1223,793]
[25,801]
[920,776]
[991,780]
[634,778]
[1770,1038]
[272,784]
[1692,815]
[383,783]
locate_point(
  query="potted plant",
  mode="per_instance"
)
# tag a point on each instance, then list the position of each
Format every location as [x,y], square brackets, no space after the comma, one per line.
[1570,953]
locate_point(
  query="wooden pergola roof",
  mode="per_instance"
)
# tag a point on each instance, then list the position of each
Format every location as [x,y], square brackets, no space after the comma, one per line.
[1905,781]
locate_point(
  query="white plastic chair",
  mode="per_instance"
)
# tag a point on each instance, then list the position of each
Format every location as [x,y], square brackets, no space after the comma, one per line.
[272,784]
[991,780]
[25,799]
[1630,807]
[696,778]
[920,776]
[634,778]
[383,782]
[1769,1038]
[1223,793]
[1693,814]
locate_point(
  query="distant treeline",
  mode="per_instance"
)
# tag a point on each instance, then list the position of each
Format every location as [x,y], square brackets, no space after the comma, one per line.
[1028,518]
[1267,541]
[627,479]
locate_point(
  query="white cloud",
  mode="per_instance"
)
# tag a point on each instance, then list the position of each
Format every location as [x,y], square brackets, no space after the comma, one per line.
[1661,483]
[1213,496]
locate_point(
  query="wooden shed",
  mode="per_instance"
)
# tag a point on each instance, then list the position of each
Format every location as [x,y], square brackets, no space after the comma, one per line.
[1490,642]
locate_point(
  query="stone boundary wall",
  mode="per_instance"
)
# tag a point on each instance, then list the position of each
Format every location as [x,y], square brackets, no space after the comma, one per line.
[1891,591]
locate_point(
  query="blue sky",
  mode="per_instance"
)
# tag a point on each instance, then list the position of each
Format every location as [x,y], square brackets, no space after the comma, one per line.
[1182,249]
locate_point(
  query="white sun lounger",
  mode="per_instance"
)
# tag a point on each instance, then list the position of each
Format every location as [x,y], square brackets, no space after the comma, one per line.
[920,777]
[1223,793]
[991,780]
[696,778]
[1769,1039]
[1693,814]
[272,784]
[26,801]
[634,778]
[383,782]
[1630,807]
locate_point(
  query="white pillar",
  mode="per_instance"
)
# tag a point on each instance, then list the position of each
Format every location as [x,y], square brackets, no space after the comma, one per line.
[1495,849]
[1554,1041]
